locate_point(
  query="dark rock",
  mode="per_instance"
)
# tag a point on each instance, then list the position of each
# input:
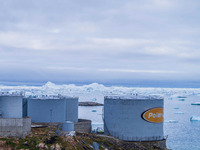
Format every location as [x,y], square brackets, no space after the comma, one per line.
[90,104]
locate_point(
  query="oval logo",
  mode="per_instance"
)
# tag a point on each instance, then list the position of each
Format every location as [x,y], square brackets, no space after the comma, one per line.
[154,115]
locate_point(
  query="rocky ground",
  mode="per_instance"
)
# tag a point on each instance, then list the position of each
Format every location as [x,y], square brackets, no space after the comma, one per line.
[90,104]
[46,139]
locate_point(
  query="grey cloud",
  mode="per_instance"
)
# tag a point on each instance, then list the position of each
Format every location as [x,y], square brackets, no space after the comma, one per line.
[76,40]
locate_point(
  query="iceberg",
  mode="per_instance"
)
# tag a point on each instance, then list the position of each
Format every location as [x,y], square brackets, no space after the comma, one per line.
[195,103]
[101,90]
[171,121]
[181,99]
[176,107]
[179,112]
[94,99]
[195,118]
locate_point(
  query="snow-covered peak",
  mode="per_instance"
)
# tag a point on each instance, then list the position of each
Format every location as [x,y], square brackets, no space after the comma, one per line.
[94,87]
[49,84]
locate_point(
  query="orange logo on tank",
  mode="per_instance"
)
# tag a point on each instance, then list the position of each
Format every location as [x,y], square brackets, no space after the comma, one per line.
[154,115]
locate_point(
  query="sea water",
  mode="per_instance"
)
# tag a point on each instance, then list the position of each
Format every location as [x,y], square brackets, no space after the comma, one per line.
[182,131]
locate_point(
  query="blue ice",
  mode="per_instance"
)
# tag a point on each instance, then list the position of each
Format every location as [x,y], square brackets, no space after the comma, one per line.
[195,118]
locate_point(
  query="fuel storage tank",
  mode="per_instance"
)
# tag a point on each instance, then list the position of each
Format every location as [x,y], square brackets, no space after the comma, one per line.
[10,105]
[52,109]
[68,126]
[134,118]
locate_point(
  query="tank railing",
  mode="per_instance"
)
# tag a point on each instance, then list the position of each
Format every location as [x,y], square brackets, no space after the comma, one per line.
[137,138]
[153,138]
[16,93]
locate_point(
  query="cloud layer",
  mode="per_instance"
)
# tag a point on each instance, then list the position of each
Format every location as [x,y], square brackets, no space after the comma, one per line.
[99,40]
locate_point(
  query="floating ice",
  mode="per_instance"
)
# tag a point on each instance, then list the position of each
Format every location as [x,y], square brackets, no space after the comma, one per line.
[170,98]
[98,89]
[94,99]
[181,99]
[195,103]
[195,118]
[176,107]
[179,112]
[171,121]
[49,85]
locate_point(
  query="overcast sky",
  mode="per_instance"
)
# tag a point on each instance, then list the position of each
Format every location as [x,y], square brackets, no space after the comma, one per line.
[95,40]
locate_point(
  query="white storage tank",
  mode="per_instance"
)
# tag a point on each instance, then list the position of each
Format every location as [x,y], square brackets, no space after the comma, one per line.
[134,118]
[68,126]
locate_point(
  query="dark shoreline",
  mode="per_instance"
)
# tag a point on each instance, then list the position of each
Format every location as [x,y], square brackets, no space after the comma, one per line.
[90,104]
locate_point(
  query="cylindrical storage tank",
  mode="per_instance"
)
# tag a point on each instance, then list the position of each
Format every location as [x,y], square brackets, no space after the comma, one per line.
[68,126]
[134,118]
[11,106]
[52,109]
[72,109]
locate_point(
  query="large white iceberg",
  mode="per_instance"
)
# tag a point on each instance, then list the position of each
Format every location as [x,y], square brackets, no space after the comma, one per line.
[96,89]
[195,103]
[195,118]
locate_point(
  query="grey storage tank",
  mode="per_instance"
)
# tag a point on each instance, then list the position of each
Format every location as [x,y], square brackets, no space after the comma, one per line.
[134,118]
[12,123]
[11,105]
[52,109]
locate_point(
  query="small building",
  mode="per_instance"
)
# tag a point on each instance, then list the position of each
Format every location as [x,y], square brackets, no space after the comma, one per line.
[12,123]
[51,109]
[134,118]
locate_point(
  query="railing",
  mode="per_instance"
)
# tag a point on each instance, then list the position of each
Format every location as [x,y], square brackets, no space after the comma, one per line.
[17,93]
[137,138]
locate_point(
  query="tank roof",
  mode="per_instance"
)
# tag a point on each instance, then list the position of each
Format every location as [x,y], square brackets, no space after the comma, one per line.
[11,94]
[135,97]
[49,97]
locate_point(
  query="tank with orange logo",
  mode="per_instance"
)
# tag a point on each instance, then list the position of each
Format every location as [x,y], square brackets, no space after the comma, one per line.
[134,118]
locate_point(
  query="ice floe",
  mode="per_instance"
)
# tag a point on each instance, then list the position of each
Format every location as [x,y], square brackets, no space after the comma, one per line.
[95,88]
[179,112]
[181,99]
[171,121]
[195,103]
[176,107]
[195,118]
